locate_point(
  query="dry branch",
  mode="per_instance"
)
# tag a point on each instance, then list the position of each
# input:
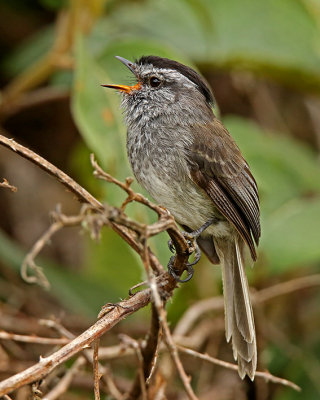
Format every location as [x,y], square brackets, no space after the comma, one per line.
[6,185]
[65,381]
[96,373]
[33,339]
[161,285]
[265,375]
[47,364]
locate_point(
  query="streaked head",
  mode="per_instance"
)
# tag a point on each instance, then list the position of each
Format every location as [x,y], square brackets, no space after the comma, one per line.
[163,83]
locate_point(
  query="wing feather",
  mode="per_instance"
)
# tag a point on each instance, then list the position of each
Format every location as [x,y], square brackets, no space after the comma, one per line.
[218,167]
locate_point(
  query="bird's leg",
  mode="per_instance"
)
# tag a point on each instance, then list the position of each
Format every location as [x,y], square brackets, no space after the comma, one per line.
[172,271]
[192,235]
[192,241]
[195,234]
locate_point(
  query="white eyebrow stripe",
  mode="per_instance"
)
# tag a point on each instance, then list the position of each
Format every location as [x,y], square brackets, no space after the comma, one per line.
[174,74]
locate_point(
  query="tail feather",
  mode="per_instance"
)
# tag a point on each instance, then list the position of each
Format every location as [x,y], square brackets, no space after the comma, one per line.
[238,310]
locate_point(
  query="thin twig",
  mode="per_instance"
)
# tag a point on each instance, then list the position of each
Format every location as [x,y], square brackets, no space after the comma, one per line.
[166,221]
[33,339]
[66,380]
[216,303]
[61,221]
[130,342]
[5,184]
[96,374]
[82,194]
[47,364]
[162,315]
[104,352]
[287,287]
[110,318]
[265,375]
[111,386]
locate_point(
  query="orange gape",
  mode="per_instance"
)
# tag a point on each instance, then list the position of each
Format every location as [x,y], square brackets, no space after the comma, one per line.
[125,88]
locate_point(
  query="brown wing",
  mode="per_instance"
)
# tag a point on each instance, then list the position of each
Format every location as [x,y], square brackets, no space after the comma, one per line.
[217,166]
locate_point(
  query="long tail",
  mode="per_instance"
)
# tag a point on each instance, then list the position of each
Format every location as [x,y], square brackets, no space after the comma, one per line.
[238,310]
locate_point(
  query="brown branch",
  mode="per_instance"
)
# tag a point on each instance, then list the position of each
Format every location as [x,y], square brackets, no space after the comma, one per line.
[107,352]
[160,289]
[65,381]
[111,386]
[32,339]
[216,303]
[265,375]
[132,196]
[166,221]
[96,373]
[162,315]
[6,185]
[114,315]
[287,287]
[61,221]
[82,194]
[136,346]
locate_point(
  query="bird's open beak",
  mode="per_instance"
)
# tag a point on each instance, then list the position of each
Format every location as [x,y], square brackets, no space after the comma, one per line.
[125,88]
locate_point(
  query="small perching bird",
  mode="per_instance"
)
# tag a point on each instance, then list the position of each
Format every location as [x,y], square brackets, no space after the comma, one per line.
[187,160]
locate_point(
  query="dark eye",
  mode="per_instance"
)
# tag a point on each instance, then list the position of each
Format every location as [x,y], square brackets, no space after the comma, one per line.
[154,81]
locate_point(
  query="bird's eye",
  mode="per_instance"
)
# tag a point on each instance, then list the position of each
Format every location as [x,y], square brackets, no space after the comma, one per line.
[154,81]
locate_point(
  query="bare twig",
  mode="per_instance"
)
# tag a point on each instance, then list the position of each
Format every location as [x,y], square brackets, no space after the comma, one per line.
[82,194]
[104,352]
[162,315]
[216,303]
[5,184]
[65,381]
[132,196]
[60,222]
[96,372]
[95,215]
[111,386]
[166,221]
[265,375]
[33,339]
[47,364]
[287,287]
[141,377]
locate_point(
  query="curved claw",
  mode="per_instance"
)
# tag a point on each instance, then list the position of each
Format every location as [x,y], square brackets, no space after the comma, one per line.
[190,271]
[197,256]
[171,271]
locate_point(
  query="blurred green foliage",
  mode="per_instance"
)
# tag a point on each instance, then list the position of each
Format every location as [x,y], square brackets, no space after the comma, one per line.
[273,38]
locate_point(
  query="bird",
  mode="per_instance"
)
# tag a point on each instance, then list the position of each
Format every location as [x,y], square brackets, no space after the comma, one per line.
[189,163]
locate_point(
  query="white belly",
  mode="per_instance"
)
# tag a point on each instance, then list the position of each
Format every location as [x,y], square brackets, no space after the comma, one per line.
[190,206]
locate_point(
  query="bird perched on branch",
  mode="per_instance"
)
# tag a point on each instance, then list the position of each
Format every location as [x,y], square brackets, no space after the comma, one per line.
[186,159]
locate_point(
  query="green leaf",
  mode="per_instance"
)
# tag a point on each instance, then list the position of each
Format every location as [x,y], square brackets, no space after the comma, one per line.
[287,173]
[223,33]
[291,235]
[96,112]
[132,49]
[284,168]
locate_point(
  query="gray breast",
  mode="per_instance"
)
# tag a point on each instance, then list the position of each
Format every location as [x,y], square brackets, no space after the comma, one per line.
[162,170]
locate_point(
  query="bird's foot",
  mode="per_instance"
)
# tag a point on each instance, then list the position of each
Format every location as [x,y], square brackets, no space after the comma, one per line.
[172,271]
[189,266]
[191,238]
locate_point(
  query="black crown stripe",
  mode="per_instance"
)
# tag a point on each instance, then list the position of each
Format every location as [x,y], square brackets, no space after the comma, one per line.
[188,72]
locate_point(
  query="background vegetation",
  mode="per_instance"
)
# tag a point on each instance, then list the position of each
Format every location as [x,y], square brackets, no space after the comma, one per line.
[262,59]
